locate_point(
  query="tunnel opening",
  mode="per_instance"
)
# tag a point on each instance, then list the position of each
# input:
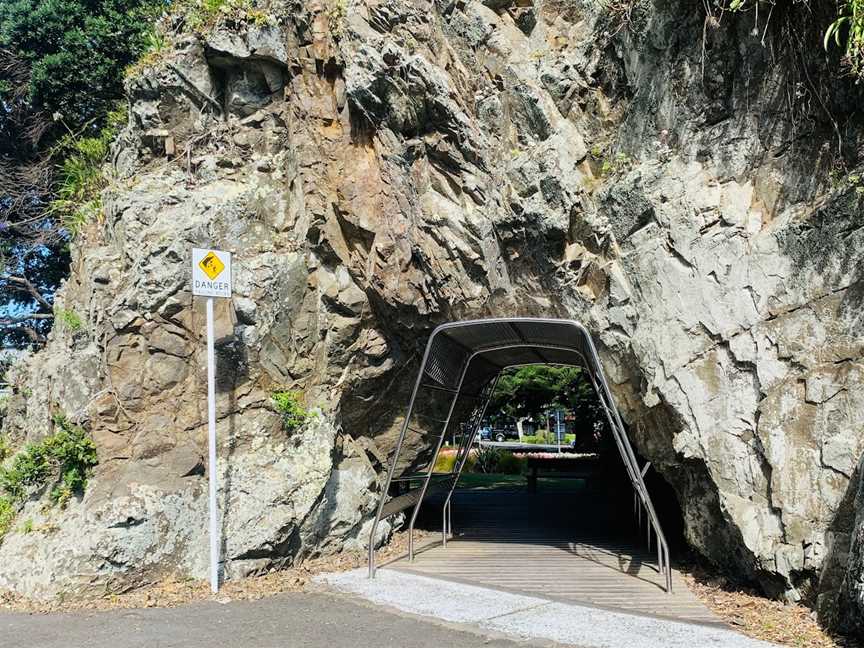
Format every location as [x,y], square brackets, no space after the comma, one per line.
[513,451]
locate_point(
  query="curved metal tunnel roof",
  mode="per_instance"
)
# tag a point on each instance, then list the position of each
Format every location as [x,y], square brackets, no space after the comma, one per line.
[494,344]
[461,365]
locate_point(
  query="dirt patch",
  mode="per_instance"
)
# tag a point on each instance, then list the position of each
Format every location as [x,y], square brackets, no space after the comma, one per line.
[173,593]
[761,618]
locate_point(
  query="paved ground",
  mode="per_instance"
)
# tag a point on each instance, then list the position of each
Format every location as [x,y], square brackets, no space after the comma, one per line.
[531,618]
[286,621]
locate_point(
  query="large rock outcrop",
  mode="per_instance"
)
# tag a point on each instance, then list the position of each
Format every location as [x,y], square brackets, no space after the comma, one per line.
[381,167]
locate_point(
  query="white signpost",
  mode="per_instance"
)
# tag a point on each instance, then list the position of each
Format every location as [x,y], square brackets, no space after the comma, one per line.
[211,277]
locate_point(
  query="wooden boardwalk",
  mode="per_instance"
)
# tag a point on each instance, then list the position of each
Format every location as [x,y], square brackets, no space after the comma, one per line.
[558,546]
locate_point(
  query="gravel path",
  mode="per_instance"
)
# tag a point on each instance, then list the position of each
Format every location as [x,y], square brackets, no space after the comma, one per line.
[531,618]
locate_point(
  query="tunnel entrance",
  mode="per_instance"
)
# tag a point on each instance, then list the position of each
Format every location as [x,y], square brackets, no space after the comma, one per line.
[577,525]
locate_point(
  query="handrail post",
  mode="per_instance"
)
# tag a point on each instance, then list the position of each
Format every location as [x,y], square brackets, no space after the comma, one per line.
[617,428]
[386,487]
[434,459]
[490,389]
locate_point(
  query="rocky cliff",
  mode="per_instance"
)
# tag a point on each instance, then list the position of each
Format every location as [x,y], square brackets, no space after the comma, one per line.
[676,182]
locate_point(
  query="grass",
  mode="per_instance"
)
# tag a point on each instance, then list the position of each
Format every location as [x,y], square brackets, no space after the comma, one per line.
[199,16]
[543,437]
[490,481]
[156,46]
[204,15]
[509,473]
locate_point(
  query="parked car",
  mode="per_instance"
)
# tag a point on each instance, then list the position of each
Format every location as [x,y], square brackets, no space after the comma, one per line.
[505,433]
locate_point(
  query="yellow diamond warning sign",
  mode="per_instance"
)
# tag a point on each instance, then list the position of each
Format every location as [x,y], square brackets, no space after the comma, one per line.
[211,272]
[211,265]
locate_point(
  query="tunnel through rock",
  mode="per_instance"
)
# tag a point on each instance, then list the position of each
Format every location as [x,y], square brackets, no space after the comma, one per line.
[598,495]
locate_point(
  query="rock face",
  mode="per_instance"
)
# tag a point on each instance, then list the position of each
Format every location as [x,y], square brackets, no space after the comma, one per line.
[378,168]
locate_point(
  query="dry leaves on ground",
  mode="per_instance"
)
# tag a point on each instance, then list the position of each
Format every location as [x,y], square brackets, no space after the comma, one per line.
[171,593]
[762,618]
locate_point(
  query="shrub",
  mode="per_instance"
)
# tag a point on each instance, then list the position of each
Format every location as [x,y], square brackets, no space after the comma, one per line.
[81,178]
[7,514]
[68,454]
[204,15]
[487,460]
[5,448]
[288,404]
[510,464]
[850,21]
[445,462]
[336,18]
[68,319]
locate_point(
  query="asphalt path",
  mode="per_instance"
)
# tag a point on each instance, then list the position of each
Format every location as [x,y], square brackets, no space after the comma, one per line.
[303,620]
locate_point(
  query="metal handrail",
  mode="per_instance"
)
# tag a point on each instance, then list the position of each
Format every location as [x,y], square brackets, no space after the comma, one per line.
[470,441]
[432,463]
[386,486]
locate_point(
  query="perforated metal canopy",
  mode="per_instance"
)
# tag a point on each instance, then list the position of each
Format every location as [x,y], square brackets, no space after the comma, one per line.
[495,344]
[460,368]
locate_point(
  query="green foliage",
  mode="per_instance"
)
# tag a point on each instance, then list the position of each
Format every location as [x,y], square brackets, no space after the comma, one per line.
[841,180]
[69,319]
[850,23]
[76,50]
[5,448]
[203,15]
[533,389]
[510,464]
[487,459]
[67,457]
[81,178]
[620,163]
[29,468]
[336,18]
[445,462]
[7,515]
[63,63]
[290,407]
[607,164]
[847,33]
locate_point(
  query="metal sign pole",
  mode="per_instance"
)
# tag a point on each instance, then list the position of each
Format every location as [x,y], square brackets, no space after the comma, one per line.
[211,434]
[558,429]
[211,277]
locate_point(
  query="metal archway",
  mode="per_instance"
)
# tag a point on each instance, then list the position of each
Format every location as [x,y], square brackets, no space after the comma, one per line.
[458,374]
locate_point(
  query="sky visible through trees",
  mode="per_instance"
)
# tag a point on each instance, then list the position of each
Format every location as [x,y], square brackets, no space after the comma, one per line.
[61,73]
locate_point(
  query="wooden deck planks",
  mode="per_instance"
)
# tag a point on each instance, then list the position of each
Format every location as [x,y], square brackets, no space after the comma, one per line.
[514,543]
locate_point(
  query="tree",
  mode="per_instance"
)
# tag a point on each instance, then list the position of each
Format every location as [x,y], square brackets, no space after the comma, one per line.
[532,390]
[61,73]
